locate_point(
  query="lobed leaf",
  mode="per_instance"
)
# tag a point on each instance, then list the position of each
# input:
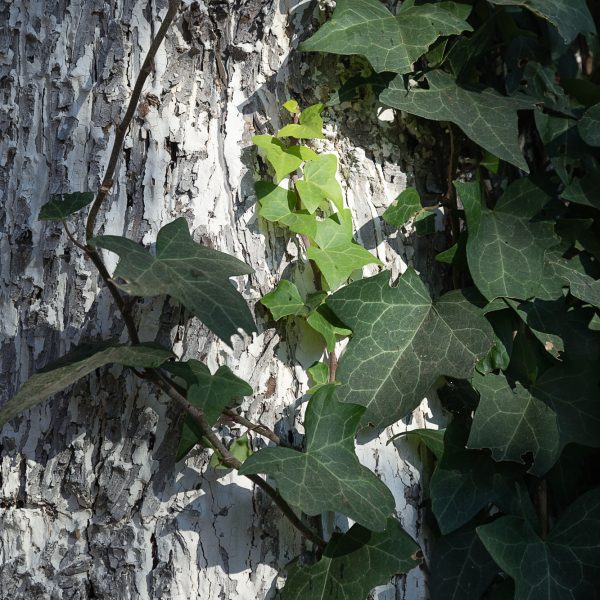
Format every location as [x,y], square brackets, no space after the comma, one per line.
[310,125]
[196,276]
[328,476]
[75,365]
[61,206]
[284,159]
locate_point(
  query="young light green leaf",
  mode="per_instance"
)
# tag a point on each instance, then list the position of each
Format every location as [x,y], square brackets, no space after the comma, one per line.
[402,342]
[78,363]
[404,208]
[310,125]
[460,568]
[277,206]
[240,450]
[505,247]
[328,325]
[319,374]
[589,126]
[390,43]
[63,205]
[211,393]
[284,159]
[336,255]
[284,300]
[319,184]
[565,565]
[342,573]
[292,107]
[328,476]
[485,116]
[194,275]
[570,17]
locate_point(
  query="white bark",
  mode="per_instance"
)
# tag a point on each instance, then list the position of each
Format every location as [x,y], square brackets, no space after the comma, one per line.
[91,502]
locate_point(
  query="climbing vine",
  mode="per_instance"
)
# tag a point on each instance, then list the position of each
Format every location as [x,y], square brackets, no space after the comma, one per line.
[511,345]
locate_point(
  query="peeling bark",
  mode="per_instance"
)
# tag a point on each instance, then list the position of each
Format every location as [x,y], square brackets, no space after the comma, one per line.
[91,502]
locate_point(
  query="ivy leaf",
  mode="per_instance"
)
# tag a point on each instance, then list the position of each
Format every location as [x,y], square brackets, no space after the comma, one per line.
[512,422]
[573,273]
[589,126]
[63,205]
[404,208]
[75,365]
[310,126]
[432,438]
[328,325]
[461,568]
[341,574]
[194,275]
[191,435]
[277,206]
[284,159]
[336,254]
[467,481]
[240,449]
[292,107]
[565,565]
[402,342]
[560,408]
[505,247]
[390,43]
[319,183]
[485,116]
[328,476]
[570,17]
[319,374]
[284,300]
[211,393]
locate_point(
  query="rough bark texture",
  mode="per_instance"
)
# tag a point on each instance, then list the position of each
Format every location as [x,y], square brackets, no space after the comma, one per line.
[91,502]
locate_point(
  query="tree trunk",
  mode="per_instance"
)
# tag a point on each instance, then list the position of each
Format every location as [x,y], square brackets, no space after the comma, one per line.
[92,504]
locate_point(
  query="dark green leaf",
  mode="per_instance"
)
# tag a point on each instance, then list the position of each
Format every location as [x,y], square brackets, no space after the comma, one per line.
[310,125]
[573,273]
[328,476]
[506,247]
[353,564]
[63,205]
[196,276]
[485,116]
[404,208]
[460,568]
[390,43]
[564,566]
[77,364]
[402,342]
[570,17]
[211,393]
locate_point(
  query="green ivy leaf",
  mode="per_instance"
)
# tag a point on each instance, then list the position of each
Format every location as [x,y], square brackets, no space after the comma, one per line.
[319,374]
[75,365]
[467,481]
[565,566]
[573,273]
[432,438]
[284,159]
[63,205]
[404,208]
[328,476]
[352,564]
[560,408]
[485,116]
[191,435]
[570,17]
[511,422]
[323,321]
[240,449]
[390,43]
[292,107]
[319,183]
[402,342]
[284,300]
[194,275]
[589,126]
[211,393]
[310,126]
[336,254]
[460,568]
[277,206]
[505,247]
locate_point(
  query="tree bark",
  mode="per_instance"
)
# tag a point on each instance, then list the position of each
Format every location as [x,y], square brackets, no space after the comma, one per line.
[92,504]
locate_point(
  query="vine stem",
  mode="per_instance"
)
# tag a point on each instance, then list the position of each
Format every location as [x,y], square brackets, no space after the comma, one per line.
[146,69]
[256,427]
